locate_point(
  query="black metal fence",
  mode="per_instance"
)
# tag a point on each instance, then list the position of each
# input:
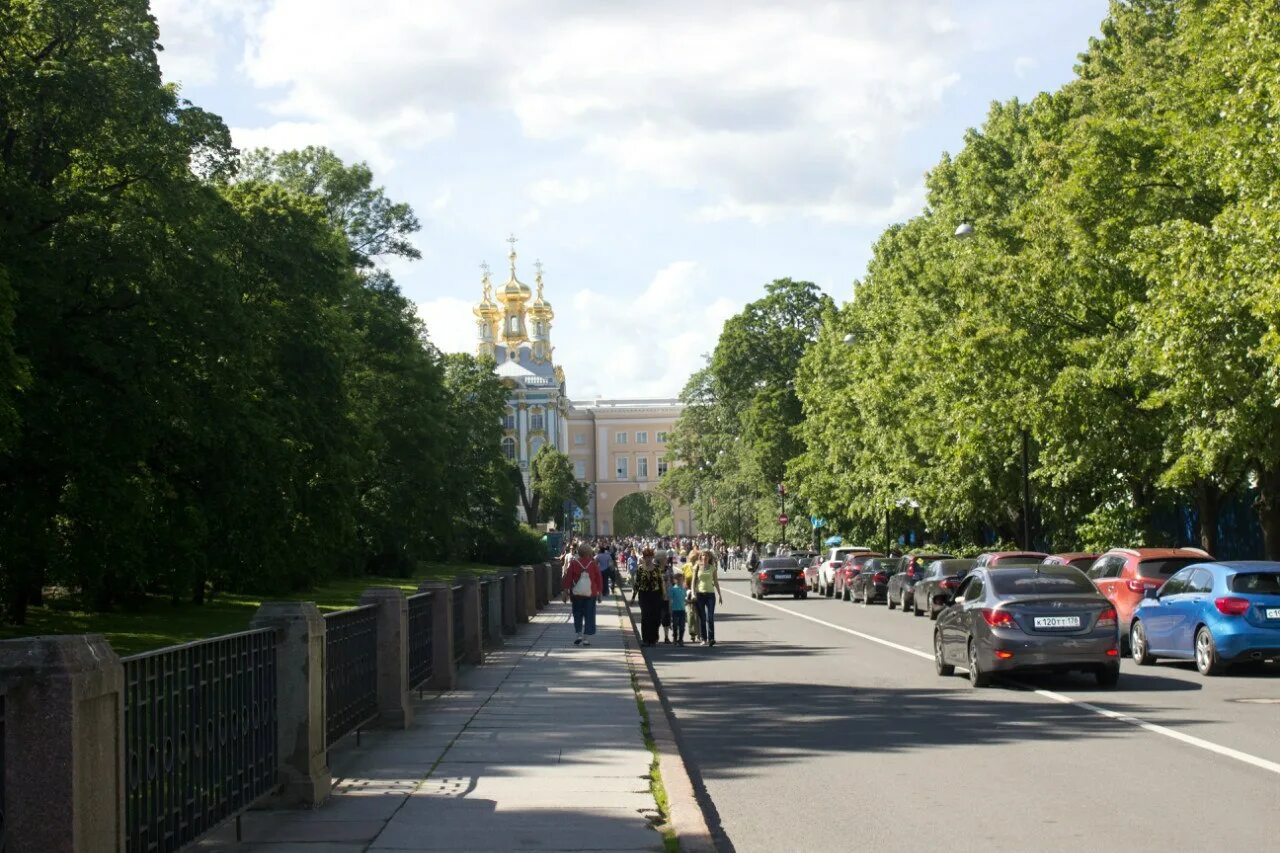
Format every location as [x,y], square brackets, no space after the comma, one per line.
[200,736]
[459,636]
[1,773]
[507,617]
[350,670]
[420,642]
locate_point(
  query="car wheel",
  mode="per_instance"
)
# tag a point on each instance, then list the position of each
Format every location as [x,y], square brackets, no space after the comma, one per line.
[1207,660]
[943,669]
[795,595]
[804,595]
[831,590]
[847,595]
[866,598]
[977,677]
[933,613]
[916,609]
[1108,676]
[890,603]
[1138,645]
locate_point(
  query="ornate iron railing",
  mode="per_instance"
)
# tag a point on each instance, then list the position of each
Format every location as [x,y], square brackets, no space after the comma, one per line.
[350,670]
[420,643]
[459,635]
[485,586]
[200,736]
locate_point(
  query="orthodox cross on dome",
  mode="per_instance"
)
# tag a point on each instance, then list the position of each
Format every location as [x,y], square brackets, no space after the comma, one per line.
[512,255]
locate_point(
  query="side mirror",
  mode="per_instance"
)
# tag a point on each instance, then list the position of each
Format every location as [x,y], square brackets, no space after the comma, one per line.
[1151,593]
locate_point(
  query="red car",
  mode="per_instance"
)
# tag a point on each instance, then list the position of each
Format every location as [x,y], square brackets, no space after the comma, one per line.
[848,571]
[1001,558]
[1124,574]
[1079,559]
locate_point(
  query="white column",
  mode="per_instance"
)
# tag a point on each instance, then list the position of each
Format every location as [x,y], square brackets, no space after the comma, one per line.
[602,453]
[522,427]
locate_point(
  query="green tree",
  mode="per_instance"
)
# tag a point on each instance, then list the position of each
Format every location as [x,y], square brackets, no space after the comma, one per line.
[641,514]
[551,483]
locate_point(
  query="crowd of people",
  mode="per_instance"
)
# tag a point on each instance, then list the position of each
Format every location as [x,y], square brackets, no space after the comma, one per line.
[676,582]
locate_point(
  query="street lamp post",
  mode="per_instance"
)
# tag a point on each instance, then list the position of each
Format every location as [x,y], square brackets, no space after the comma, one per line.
[888,512]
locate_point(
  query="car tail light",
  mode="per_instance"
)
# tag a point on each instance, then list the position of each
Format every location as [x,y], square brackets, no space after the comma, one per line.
[880,577]
[1003,655]
[1113,653]
[911,573]
[1232,606]
[999,618]
[764,576]
[949,584]
[1136,586]
[1108,618]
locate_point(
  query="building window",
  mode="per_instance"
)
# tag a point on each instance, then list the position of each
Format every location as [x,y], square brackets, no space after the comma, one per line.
[580,469]
[642,468]
[642,438]
[620,438]
[509,447]
[508,421]
[535,446]
[537,421]
[514,324]
[579,438]
[662,438]
[662,466]
[622,468]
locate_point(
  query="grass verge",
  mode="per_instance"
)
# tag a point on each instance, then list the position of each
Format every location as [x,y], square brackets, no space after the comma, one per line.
[670,843]
[157,622]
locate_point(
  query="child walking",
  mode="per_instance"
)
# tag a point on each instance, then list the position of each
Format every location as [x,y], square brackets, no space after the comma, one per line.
[677,596]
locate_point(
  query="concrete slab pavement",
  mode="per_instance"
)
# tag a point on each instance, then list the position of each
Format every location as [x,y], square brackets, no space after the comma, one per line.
[539,749]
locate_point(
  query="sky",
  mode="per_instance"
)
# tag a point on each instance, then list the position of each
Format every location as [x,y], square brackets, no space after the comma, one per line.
[663,159]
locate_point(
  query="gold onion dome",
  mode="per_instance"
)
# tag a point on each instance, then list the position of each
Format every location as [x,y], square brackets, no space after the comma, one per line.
[540,306]
[514,290]
[487,308]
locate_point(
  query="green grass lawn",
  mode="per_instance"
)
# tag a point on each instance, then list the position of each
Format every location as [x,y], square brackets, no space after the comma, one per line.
[160,623]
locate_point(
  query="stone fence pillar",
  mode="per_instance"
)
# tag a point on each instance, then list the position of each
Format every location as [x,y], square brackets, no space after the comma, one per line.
[63,745]
[444,674]
[540,584]
[528,598]
[473,652]
[555,576]
[394,705]
[300,709]
[509,602]
[493,630]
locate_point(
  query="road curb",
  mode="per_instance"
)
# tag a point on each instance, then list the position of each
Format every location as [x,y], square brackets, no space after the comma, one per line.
[688,819]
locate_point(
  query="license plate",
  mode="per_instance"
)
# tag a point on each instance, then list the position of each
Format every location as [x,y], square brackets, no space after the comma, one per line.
[1273,612]
[782,576]
[1057,621]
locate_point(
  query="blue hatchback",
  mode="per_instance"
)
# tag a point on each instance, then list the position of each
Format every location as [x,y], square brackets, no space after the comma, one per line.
[1216,614]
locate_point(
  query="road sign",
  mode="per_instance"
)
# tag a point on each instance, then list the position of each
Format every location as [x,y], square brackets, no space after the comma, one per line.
[783,519]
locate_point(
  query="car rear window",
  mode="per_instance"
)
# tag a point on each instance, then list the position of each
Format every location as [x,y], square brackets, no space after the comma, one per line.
[1164,568]
[778,563]
[1047,581]
[1261,583]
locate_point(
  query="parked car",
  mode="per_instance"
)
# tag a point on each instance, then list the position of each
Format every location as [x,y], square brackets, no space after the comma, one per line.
[811,572]
[941,579]
[1078,559]
[1217,614]
[779,576]
[846,573]
[872,583]
[903,584]
[1000,558]
[1124,575]
[835,559]
[1019,617]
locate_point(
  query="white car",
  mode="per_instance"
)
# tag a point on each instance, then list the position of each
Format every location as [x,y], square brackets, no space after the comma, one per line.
[835,559]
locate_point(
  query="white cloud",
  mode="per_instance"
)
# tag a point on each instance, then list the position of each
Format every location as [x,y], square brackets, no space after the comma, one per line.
[194,33]
[766,109]
[1024,64]
[639,344]
[372,142]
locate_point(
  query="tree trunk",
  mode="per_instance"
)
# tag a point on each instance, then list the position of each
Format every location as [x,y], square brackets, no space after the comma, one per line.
[1267,506]
[1208,506]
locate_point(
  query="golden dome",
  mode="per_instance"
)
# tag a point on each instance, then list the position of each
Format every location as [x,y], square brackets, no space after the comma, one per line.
[487,309]
[540,307]
[514,290]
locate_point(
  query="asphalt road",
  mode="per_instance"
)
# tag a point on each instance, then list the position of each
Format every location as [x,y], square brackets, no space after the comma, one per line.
[839,736]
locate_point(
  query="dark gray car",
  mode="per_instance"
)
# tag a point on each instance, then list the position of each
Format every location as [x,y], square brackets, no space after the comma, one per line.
[872,583]
[1028,618]
[941,579]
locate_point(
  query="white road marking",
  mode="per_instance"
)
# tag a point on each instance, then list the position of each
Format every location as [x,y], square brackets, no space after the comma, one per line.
[1190,740]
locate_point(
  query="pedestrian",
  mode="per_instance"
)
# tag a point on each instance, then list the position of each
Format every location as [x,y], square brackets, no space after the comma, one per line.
[706,585]
[647,586]
[582,583]
[605,561]
[669,573]
[678,596]
[686,571]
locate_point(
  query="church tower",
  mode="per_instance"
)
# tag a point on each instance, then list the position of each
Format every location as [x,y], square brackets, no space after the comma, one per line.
[488,317]
[540,317]
[513,296]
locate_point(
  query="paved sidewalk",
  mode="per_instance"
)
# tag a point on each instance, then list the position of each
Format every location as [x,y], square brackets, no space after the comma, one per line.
[540,749]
